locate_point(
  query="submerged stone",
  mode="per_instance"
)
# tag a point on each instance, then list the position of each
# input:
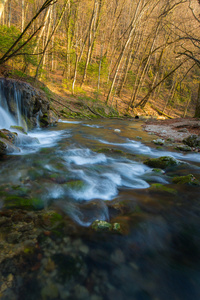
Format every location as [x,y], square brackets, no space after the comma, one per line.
[23,203]
[162,162]
[188,179]
[75,184]
[110,151]
[162,188]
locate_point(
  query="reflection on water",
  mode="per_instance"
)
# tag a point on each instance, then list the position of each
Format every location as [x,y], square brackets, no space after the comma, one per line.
[88,171]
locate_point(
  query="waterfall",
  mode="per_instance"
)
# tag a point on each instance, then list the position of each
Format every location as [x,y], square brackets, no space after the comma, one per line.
[11,105]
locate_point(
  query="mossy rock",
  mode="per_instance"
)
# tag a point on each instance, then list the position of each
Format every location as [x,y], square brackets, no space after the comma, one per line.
[192,141]
[188,179]
[117,227]
[162,188]
[3,136]
[58,178]
[52,220]
[34,174]
[21,190]
[75,185]
[8,136]
[110,151]
[182,147]
[99,225]
[162,162]
[158,171]
[19,128]
[23,203]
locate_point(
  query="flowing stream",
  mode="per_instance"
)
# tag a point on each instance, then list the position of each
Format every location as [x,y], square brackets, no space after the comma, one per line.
[91,170]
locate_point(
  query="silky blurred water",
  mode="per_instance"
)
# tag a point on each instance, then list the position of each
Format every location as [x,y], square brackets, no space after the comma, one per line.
[89,170]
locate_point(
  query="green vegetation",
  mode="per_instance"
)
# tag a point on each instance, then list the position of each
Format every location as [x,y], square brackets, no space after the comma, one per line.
[188,179]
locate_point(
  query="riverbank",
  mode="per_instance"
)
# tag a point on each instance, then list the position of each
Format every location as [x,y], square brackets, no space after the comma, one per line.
[177,129]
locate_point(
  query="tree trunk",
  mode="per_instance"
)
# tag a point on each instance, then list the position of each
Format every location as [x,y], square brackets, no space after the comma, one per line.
[2,5]
[50,36]
[92,33]
[121,56]
[197,109]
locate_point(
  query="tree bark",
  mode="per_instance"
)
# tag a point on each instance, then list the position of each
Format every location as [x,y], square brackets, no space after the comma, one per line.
[197,108]
[2,5]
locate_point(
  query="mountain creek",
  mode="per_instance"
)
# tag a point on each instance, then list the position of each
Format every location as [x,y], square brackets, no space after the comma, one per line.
[53,192]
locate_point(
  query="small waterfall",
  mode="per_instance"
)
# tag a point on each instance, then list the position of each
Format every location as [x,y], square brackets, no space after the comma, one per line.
[11,105]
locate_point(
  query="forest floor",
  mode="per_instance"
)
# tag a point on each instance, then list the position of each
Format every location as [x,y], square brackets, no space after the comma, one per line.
[88,103]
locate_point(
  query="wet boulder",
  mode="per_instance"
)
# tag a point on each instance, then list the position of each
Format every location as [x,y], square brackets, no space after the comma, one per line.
[162,162]
[8,135]
[192,141]
[188,179]
[182,147]
[8,142]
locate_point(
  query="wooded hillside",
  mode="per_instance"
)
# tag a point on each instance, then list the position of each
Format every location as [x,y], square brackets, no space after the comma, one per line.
[127,52]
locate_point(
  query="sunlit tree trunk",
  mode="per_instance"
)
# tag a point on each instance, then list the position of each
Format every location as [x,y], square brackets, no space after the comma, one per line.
[91,35]
[49,38]
[2,5]
[137,15]
[23,16]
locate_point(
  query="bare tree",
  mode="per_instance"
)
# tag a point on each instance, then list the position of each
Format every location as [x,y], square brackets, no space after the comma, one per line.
[16,46]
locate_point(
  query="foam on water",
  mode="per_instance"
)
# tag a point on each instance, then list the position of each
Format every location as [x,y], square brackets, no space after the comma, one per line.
[102,176]
[84,156]
[92,126]
[69,122]
[140,148]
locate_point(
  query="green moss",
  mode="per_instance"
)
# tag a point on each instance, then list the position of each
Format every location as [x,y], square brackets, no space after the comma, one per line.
[162,162]
[2,135]
[162,188]
[101,226]
[22,191]
[24,203]
[159,171]
[75,184]
[117,227]
[183,148]
[188,179]
[19,128]
[29,250]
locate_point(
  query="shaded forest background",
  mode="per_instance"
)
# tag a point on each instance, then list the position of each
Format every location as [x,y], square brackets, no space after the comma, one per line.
[133,55]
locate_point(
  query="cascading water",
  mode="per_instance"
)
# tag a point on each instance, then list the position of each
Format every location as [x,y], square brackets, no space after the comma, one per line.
[11,105]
